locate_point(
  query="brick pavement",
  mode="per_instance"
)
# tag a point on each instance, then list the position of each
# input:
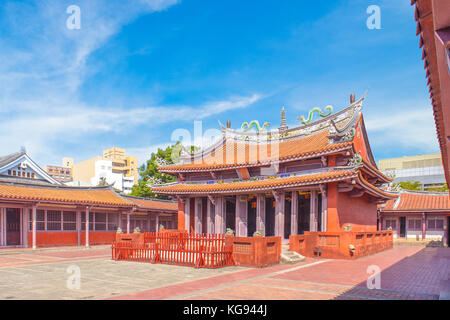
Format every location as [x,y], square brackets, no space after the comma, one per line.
[407,272]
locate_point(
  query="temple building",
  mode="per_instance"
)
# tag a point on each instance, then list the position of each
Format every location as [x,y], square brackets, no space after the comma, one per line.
[416,215]
[319,176]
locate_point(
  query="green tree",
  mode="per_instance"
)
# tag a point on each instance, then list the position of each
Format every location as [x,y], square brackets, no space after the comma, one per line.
[149,170]
[444,188]
[409,185]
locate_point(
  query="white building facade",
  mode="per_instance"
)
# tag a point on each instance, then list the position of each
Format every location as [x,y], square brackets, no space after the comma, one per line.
[103,172]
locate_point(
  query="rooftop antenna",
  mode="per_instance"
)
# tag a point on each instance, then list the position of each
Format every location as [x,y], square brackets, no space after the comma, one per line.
[23,149]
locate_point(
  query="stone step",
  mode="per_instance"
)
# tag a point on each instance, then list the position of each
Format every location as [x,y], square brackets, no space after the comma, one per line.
[290,257]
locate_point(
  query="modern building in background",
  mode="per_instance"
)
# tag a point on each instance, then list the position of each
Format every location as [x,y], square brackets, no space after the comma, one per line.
[103,173]
[122,163]
[427,169]
[61,173]
[115,168]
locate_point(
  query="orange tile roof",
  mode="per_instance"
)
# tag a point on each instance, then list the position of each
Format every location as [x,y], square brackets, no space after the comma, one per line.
[374,189]
[418,202]
[259,185]
[91,196]
[154,204]
[244,154]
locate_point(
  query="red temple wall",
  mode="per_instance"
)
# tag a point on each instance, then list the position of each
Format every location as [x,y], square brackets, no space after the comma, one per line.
[344,210]
[357,212]
[58,238]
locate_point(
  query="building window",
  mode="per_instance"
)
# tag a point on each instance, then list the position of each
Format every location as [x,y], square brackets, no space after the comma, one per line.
[53,220]
[391,223]
[40,220]
[112,221]
[100,221]
[435,224]
[414,224]
[69,220]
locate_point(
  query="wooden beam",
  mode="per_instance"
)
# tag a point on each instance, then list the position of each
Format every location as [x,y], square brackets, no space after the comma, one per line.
[372,180]
[345,187]
[356,193]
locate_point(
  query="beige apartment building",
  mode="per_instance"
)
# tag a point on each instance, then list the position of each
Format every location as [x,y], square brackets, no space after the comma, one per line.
[426,168]
[121,164]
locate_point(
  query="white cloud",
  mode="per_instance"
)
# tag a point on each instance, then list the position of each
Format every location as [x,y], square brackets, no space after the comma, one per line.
[402,129]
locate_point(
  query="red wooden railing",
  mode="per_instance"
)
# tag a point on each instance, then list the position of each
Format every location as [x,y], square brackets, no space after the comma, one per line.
[177,248]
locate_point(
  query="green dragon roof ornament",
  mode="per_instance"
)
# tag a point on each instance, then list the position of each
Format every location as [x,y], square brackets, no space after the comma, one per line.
[319,111]
[255,123]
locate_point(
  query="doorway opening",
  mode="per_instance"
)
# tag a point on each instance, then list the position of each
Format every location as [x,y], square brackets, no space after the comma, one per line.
[204,215]
[192,215]
[287,216]
[402,227]
[230,222]
[270,216]
[304,209]
[251,217]
[13,227]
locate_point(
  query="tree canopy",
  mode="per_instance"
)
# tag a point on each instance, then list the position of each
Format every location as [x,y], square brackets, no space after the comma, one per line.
[416,186]
[149,171]
[409,185]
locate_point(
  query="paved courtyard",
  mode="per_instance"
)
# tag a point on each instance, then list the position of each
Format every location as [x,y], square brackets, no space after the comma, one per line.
[406,273]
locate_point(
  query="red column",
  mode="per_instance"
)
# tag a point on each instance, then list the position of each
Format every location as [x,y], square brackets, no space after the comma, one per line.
[333,215]
[424,226]
[181,209]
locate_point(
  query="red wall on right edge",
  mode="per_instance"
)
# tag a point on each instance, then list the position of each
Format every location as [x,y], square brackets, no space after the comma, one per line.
[358,212]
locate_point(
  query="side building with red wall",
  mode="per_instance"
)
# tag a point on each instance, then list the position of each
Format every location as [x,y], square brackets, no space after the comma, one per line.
[417,215]
[37,215]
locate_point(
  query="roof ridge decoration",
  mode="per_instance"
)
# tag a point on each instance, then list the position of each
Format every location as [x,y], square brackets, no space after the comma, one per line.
[246,126]
[341,127]
[329,108]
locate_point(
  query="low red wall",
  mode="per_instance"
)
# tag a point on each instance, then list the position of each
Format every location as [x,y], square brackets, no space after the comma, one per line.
[339,245]
[255,251]
[130,237]
[66,238]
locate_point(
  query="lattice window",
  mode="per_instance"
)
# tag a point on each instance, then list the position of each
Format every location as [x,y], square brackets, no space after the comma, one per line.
[69,220]
[40,220]
[53,220]
[100,221]
[414,224]
[112,221]
[242,247]
[435,224]
[391,223]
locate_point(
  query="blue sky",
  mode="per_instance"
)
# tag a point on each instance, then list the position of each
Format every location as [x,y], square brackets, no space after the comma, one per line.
[138,70]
